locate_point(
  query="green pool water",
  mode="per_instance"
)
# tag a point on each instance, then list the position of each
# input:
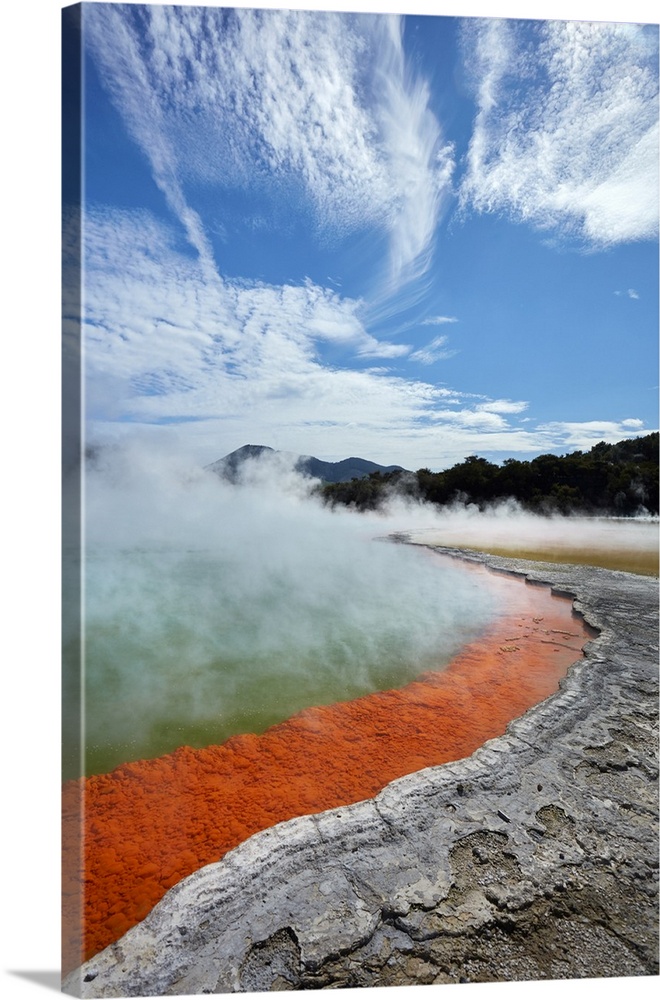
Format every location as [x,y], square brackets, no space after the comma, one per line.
[192,647]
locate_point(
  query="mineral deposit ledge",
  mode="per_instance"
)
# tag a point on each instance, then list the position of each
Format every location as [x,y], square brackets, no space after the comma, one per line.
[534,858]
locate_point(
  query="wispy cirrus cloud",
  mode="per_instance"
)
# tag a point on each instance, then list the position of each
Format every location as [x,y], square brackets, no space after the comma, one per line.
[566,132]
[438,320]
[134,88]
[421,165]
[436,350]
[282,101]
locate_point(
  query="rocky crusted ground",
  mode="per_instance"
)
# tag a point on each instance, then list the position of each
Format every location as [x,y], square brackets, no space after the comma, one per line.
[534,858]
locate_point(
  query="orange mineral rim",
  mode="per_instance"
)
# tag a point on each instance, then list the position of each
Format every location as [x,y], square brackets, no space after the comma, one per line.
[130,835]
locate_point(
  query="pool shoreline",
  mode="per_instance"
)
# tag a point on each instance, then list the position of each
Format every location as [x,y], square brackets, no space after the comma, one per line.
[559,810]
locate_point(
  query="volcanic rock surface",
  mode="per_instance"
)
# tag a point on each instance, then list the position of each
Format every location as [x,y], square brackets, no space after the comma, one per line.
[534,858]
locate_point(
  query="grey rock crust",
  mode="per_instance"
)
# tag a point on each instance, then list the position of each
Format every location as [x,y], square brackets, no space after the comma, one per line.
[535,858]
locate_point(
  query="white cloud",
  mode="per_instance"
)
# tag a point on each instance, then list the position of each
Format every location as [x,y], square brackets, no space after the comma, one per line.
[134,91]
[226,364]
[479,417]
[382,349]
[230,363]
[168,340]
[587,433]
[282,101]
[420,164]
[438,320]
[436,350]
[566,134]
[503,406]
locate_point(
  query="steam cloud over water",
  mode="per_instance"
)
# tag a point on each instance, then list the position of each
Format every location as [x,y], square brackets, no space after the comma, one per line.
[212,609]
[622,543]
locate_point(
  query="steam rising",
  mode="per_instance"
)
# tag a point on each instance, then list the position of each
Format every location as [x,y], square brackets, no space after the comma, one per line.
[507,526]
[212,609]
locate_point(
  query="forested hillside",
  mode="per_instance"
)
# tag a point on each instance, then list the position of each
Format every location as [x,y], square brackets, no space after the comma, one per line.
[616,479]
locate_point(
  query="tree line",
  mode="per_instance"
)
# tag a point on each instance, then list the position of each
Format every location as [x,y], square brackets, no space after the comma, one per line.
[609,479]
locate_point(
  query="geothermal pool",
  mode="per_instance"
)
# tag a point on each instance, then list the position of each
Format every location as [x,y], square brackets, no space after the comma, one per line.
[193,647]
[150,823]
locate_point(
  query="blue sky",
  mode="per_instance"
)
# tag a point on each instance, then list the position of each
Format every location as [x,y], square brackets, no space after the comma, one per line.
[409,239]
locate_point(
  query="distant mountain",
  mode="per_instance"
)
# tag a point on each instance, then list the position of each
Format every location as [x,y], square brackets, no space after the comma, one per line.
[228,466]
[344,471]
[329,472]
